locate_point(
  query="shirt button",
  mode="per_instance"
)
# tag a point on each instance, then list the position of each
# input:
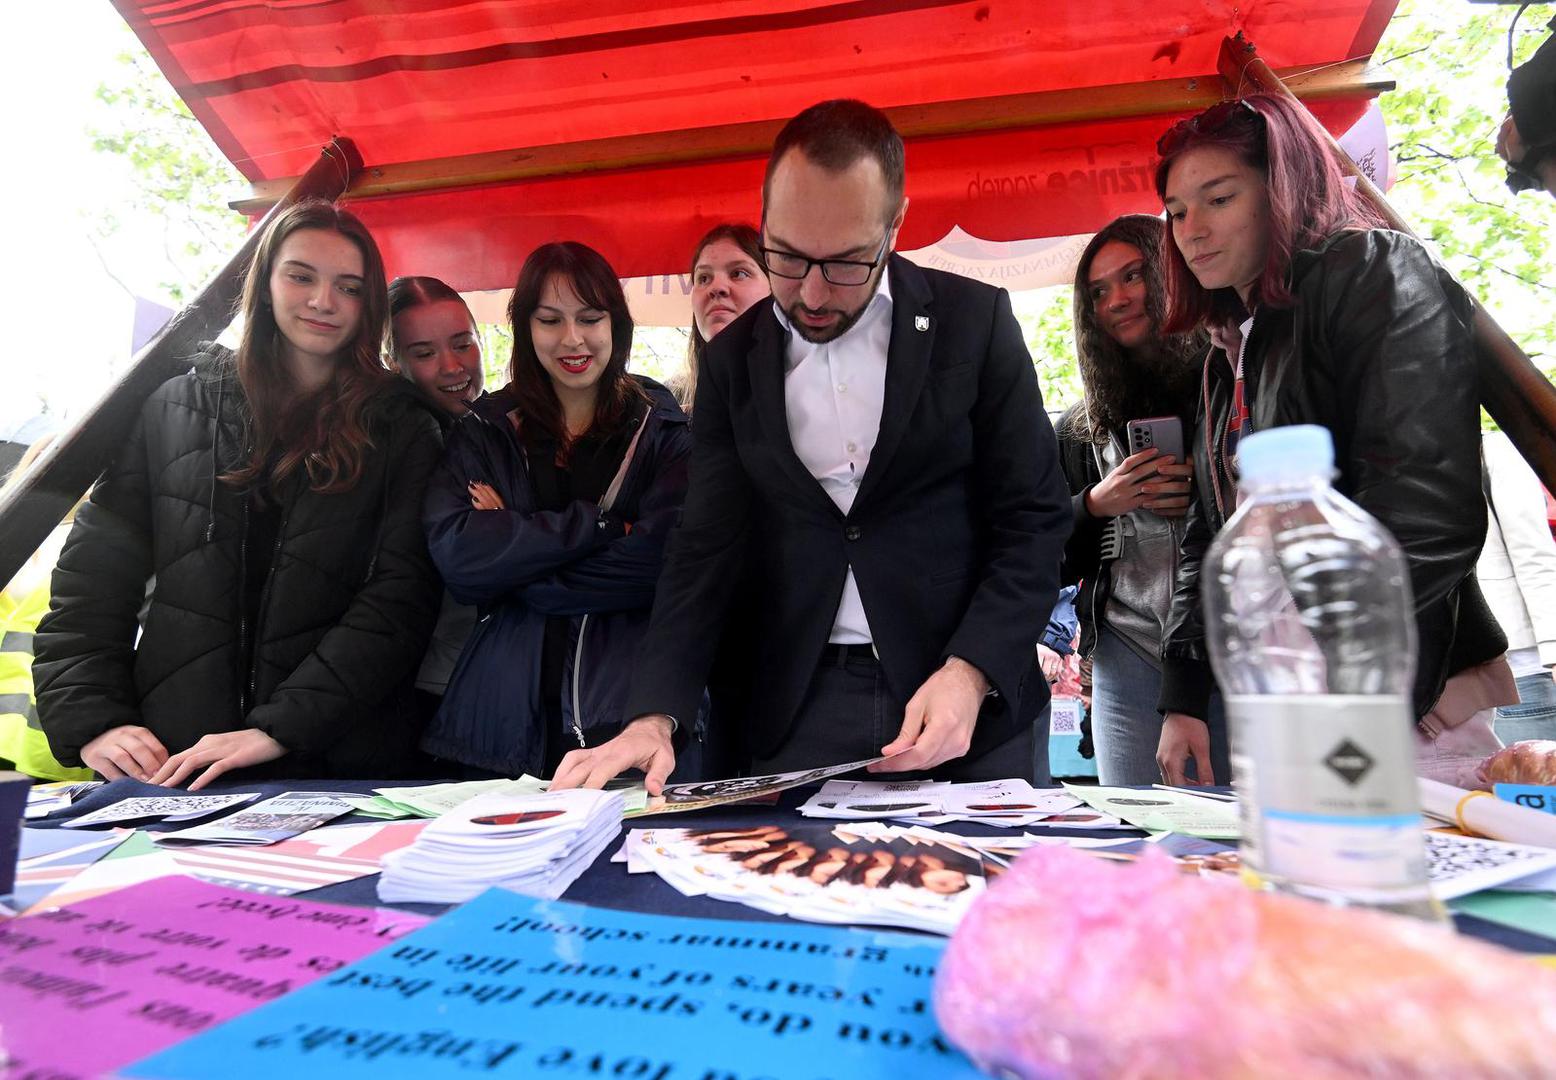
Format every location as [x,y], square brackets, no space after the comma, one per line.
[852,447]
[851,533]
[842,388]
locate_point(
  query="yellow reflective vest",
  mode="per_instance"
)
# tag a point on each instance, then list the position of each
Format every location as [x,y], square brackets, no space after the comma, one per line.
[21,739]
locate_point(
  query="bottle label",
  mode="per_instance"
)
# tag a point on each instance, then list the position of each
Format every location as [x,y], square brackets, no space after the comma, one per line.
[1327,790]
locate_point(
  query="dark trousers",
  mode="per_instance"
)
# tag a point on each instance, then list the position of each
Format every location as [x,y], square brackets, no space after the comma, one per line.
[847,715]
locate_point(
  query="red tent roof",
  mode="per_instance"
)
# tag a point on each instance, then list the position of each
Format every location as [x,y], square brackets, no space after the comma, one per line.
[633,125]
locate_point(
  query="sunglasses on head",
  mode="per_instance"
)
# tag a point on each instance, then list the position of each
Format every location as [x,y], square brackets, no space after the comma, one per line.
[1210,122]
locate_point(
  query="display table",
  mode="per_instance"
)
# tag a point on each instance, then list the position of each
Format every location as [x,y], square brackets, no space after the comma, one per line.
[608,885]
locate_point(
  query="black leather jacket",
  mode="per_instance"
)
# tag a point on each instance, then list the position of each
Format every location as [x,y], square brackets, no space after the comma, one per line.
[1377,349]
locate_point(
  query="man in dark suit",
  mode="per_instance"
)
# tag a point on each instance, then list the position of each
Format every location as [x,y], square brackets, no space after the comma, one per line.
[872,458]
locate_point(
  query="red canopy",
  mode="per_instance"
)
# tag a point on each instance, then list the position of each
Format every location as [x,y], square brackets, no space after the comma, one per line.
[633,125]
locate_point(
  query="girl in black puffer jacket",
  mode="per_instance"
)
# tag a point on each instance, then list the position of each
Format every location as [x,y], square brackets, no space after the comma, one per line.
[272,499]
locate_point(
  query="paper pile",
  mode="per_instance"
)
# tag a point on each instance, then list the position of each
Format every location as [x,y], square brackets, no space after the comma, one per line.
[44,799]
[863,872]
[533,844]
[435,800]
[1006,803]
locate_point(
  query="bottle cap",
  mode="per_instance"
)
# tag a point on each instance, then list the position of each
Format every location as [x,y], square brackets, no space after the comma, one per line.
[1299,452]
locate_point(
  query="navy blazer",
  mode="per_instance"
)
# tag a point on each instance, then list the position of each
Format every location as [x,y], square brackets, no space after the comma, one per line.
[954,539]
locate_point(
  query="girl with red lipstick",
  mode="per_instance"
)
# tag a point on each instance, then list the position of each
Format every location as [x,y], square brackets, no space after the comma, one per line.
[271,497]
[727,278]
[1322,316]
[1128,507]
[550,513]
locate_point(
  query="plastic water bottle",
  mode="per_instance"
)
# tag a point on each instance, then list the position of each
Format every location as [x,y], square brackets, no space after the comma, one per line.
[1312,638]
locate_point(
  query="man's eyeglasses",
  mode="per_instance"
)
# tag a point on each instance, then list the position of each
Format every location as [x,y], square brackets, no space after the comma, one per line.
[786,264]
[1210,122]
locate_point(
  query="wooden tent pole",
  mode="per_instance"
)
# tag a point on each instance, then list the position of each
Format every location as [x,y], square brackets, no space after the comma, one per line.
[31,508]
[1517,395]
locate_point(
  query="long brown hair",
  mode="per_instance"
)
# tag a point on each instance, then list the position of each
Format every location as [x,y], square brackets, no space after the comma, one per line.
[747,240]
[1121,386]
[596,284]
[324,433]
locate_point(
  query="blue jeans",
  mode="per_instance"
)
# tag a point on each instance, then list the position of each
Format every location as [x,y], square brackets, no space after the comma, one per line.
[1535,715]
[1125,726]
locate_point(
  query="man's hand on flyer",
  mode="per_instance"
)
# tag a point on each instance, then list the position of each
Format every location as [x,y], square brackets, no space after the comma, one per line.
[642,744]
[938,723]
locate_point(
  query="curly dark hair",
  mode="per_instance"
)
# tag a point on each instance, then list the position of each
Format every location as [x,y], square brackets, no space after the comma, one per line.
[1121,386]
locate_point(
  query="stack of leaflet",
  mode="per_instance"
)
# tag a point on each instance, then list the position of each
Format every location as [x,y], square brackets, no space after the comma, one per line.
[533,844]
[44,799]
[1006,803]
[435,800]
[862,872]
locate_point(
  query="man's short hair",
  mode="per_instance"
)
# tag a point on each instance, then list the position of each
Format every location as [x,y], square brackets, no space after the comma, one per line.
[836,134]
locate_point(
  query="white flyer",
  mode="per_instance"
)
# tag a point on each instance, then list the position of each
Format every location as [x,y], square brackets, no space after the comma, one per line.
[269,822]
[165,807]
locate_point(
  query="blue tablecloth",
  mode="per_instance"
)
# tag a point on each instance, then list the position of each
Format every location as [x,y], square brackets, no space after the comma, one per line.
[607,884]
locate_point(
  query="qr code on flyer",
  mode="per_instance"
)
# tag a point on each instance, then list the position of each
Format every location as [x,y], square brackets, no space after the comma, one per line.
[1459,865]
[1066,717]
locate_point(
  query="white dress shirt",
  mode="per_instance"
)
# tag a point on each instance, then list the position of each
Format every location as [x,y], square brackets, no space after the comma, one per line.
[833,394]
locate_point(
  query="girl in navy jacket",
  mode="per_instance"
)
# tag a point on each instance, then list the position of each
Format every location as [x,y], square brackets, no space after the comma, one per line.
[549,513]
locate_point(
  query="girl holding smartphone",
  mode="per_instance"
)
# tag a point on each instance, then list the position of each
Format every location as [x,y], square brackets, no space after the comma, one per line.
[1129,504]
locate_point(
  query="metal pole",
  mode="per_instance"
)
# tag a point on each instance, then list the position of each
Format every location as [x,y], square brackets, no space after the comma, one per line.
[51,486]
[1516,393]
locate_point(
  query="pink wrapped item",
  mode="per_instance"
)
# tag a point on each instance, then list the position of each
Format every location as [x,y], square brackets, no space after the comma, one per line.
[1074,966]
[1532,761]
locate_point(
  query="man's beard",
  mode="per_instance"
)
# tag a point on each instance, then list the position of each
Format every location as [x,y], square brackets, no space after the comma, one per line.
[845,322]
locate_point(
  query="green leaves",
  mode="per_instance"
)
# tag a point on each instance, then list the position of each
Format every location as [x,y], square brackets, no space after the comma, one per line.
[178,173]
[1450,59]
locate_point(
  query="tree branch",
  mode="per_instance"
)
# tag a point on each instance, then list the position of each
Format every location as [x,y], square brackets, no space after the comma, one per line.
[1403,55]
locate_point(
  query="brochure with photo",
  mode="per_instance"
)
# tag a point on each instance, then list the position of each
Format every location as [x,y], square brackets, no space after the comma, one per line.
[870,874]
[163,807]
[680,798]
[269,822]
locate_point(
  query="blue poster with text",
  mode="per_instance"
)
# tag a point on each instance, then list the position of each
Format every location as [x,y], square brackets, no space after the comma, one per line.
[508,986]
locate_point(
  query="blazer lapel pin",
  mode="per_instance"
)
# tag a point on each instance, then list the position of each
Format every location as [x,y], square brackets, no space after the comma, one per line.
[921,323]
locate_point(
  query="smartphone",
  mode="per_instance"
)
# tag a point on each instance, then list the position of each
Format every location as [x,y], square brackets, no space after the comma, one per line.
[1164,433]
